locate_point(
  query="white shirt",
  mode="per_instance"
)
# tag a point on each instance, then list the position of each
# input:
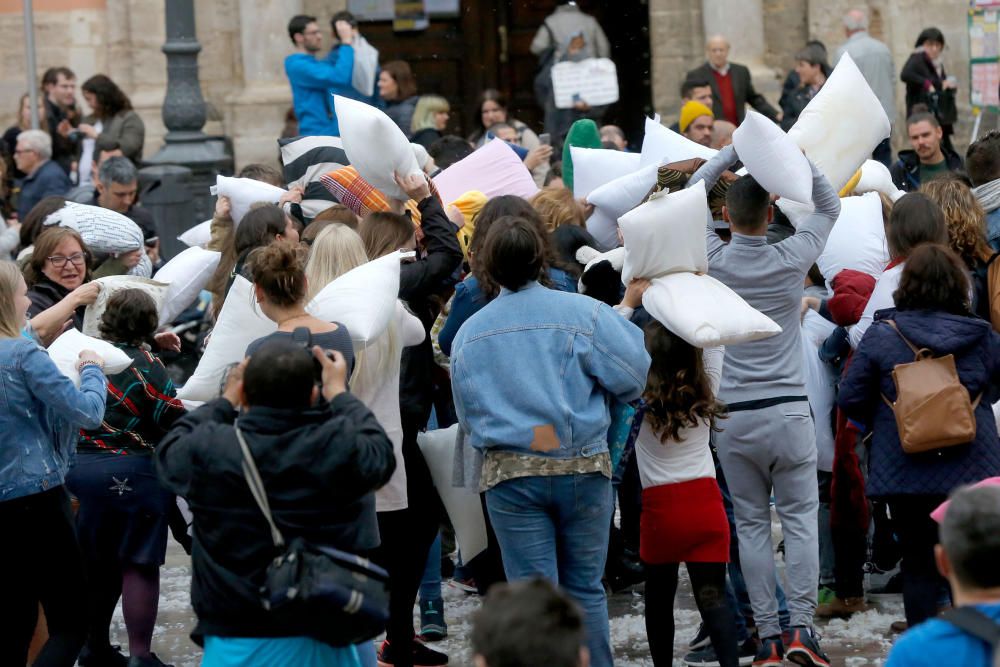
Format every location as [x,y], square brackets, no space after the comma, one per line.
[687,458]
[820,385]
[881,298]
[84,169]
[382,398]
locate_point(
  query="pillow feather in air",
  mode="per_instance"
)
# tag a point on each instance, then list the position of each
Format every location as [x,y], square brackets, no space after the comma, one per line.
[244,193]
[111,285]
[240,323]
[842,125]
[773,159]
[663,145]
[186,274]
[704,312]
[857,240]
[363,299]
[65,353]
[376,147]
[102,229]
[593,167]
[666,235]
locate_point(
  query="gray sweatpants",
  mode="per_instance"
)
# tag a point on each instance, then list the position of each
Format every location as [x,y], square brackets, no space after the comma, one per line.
[774,447]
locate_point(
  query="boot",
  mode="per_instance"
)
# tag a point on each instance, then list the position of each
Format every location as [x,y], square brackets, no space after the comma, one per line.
[841,608]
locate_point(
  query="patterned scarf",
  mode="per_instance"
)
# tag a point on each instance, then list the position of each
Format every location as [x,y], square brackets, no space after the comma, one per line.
[988,195]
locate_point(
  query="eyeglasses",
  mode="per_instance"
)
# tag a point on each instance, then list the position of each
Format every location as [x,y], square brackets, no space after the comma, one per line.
[58,261]
[19,151]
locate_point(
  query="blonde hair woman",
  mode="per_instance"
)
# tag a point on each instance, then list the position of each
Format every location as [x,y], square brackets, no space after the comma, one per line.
[430,119]
[42,414]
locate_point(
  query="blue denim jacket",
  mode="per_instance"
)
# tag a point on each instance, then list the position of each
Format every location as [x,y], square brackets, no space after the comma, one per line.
[993,229]
[540,357]
[41,414]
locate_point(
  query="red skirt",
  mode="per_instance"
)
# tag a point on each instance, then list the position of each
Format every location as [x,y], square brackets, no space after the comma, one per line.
[684,523]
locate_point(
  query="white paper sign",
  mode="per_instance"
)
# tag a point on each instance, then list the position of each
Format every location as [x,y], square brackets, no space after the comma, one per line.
[594,81]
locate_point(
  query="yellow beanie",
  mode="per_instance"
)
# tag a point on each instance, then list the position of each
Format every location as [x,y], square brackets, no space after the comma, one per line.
[692,110]
[470,204]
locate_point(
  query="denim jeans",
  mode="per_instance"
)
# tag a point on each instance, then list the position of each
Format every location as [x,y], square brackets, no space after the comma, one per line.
[557,528]
[430,584]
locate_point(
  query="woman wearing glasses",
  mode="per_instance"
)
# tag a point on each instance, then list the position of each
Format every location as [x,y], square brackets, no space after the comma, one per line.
[58,276]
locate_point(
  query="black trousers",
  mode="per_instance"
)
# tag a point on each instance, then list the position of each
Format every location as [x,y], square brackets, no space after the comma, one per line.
[918,533]
[42,562]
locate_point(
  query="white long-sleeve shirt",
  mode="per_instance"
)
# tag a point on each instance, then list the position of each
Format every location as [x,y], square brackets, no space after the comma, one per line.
[881,298]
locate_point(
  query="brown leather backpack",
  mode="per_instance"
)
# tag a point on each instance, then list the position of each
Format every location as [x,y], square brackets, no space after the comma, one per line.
[933,409]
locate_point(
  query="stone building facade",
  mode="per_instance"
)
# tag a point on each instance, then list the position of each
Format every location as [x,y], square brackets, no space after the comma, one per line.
[244,43]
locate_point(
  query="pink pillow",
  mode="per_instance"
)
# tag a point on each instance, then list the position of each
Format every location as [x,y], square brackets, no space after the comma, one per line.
[495,169]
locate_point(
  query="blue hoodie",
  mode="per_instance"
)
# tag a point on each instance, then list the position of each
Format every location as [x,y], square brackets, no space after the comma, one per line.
[312,81]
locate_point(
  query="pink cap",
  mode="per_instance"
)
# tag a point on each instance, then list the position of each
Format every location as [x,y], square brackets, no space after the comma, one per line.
[938,514]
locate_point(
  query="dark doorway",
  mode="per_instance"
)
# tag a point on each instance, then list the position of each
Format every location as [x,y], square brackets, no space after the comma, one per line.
[487,46]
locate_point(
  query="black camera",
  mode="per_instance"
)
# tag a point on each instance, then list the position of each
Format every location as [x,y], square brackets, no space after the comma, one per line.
[303,336]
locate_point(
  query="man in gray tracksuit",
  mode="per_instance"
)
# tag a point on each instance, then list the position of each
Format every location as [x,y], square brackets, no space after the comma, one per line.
[768,440]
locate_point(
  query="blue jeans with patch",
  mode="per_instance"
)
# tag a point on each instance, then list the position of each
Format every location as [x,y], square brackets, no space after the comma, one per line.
[557,528]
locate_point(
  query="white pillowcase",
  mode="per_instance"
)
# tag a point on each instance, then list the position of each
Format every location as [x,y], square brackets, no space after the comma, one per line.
[842,125]
[198,236]
[666,235]
[662,145]
[65,352]
[593,167]
[187,274]
[111,285]
[375,145]
[603,228]
[772,158]
[495,169]
[102,229]
[363,299]
[875,177]
[244,193]
[240,323]
[857,240]
[462,506]
[704,312]
[621,195]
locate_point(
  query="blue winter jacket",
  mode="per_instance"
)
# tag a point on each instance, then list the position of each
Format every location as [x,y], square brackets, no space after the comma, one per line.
[869,376]
[312,81]
[539,357]
[41,414]
[993,229]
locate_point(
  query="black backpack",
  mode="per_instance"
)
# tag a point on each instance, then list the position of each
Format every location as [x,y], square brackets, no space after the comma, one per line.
[543,75]
[977,624]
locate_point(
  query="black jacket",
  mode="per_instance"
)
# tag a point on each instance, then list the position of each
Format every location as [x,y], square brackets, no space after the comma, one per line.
[423,285]
[319,468]
[44,294]
[919,75]
[743,91]
[906,171]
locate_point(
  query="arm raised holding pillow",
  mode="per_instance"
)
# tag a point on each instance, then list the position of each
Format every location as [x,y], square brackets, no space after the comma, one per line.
[804,247]
[711,172]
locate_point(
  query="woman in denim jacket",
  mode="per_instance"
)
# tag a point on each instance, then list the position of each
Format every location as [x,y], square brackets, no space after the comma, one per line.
[41,413]
[532,376]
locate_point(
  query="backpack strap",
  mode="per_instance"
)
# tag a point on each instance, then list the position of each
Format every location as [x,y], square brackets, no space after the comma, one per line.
[974,622]
[916,350]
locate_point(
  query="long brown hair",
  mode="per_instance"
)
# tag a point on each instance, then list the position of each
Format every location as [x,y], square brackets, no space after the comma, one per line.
[964,216]
[383,232]
[678,393]
[401,73]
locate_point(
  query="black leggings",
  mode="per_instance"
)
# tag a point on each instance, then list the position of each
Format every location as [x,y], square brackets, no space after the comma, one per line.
[42,564]
[918,533]
[709,583]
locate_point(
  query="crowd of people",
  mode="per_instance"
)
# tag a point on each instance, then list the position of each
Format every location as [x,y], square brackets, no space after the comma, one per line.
[530,339]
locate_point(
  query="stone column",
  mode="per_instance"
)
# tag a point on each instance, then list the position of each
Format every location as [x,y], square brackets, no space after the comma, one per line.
[677,45]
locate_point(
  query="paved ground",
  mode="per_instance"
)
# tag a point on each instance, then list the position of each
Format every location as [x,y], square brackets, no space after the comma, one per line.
[864,640]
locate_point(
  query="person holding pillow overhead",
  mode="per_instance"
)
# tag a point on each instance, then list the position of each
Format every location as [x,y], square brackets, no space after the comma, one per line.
[311,78]
[769,440]
[41,562]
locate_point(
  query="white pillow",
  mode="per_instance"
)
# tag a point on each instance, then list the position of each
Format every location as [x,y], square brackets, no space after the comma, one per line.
[821,383]
[704,312]
[240,323]
[662,145]
[621,195]
[772,158]
[796,212]
[857,240]
[111,285]
[495,169]
[842,125]
[363,299]
[187,274]
[243,193]
[875,177]
[603,228]
[198,236]
[593,167]
[462,505]
[102,229]
[375,145]
[666,234]
[65,352]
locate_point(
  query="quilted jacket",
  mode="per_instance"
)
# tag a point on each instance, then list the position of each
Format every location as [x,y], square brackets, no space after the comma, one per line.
[977,356]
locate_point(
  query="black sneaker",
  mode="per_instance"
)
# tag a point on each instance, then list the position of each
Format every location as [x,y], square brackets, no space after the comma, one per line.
[700,640]
[803,649]
[770,654]
[422,655]
[705,656]
[109,656]
[149,661]
[432,624]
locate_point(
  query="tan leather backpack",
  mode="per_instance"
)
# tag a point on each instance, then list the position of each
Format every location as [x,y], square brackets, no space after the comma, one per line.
[933,409]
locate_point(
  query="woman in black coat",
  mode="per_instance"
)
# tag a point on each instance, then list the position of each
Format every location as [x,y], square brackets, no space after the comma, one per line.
[924,74]
[932,311]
